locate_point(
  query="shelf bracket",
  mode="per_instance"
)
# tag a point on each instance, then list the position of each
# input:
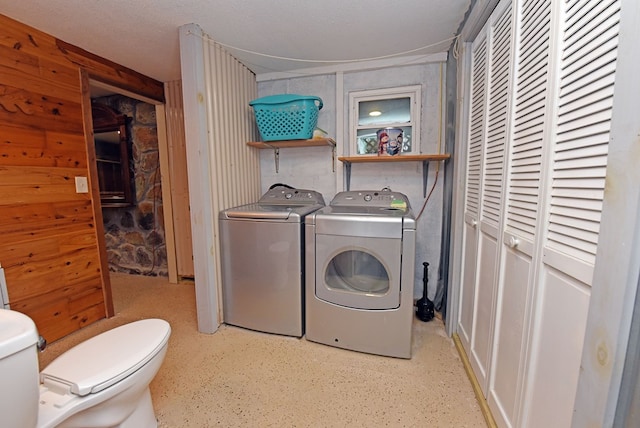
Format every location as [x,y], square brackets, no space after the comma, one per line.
[425,173]
[276,156]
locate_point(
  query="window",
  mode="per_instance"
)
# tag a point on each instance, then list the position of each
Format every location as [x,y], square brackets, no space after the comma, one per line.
[384,112]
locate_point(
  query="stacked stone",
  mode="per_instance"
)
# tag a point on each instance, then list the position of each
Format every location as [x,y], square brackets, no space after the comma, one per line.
[135,235]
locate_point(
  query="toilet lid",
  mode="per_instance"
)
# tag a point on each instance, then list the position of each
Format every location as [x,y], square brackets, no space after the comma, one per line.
[109,357]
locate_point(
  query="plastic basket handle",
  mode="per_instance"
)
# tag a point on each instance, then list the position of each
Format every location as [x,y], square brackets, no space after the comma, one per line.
[319,100]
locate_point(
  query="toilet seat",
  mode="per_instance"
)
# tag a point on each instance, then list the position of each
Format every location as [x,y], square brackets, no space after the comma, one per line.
[107,358]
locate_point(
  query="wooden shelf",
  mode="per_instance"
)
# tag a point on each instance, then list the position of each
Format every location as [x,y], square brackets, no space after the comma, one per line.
[314,142]
[399,158]
[425,159]
[277,145]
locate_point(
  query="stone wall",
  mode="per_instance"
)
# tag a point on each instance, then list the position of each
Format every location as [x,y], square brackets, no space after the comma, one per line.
[135,235]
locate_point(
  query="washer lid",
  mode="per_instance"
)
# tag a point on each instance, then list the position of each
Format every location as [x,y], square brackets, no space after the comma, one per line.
[256,211]
[107,358]
[292,214]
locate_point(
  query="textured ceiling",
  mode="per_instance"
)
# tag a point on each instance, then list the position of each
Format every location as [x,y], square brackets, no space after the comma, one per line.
[143,34]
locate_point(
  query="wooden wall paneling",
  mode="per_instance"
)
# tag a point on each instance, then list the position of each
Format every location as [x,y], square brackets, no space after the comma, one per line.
[20,107]
[53,248]
[69,298]
[51,87]
[80,264]
[30,222]
[37,175]
[71,257]
[18,60]
[22,145]
[49,249]
[59,318]
[28,40]
[38,193]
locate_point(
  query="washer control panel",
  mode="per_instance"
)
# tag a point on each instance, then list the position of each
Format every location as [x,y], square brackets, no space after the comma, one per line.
[284,195]
[371,198]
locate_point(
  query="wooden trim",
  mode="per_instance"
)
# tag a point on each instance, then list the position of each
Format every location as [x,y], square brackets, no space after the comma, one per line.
[94,190]
[400,158]
[109,72]
[484,407]
[167,201]
[292,143]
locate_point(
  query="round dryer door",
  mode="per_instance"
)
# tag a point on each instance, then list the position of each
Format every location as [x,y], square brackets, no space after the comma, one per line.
[357,272]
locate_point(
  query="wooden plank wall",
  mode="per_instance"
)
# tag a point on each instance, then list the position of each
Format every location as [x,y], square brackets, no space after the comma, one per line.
[179,180]
[51,236]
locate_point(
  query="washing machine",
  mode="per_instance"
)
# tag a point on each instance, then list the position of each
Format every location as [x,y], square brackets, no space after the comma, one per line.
[359,258]
[261,246]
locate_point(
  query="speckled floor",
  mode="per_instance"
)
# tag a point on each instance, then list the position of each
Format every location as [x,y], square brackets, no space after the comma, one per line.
[242,378]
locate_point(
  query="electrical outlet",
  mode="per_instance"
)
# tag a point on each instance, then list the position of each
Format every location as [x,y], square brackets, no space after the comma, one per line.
[82,185]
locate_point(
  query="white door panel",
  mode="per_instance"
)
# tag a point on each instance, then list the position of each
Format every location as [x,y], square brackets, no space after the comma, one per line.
[484,310]
[510,333]
[467,288]
[557,348]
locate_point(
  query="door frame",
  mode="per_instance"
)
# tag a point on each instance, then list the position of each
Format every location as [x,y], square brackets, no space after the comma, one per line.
[87,82]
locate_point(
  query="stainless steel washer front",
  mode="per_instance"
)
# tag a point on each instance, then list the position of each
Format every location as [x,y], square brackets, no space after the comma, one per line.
[262,261]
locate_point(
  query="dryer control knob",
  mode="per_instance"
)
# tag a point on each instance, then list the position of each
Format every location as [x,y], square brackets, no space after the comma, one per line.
[367,197]
[288,195]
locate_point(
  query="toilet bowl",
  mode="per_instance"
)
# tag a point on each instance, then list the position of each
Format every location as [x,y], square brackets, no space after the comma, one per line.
[102,382]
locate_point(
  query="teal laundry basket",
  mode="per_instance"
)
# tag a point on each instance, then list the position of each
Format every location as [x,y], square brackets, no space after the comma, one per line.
[286,116]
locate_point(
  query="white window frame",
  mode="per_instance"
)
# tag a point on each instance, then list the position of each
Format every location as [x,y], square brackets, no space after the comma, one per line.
[414,93]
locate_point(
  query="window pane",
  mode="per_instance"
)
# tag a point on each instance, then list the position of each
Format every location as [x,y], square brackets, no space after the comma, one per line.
[395,110]
[367,142]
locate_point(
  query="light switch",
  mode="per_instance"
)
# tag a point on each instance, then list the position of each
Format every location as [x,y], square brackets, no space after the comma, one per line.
[82,185]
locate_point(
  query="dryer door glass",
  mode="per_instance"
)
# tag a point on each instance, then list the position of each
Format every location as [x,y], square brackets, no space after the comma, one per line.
[358,271]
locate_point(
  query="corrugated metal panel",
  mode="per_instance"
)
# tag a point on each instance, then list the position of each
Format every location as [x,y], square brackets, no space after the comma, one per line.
[235,167]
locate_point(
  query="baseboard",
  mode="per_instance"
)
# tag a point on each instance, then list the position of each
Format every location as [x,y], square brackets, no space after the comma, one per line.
[484,407]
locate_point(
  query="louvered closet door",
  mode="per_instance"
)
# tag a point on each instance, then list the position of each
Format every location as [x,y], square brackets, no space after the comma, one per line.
[491,201]
[529,126]
[475,140]
[578,163]
[488,130]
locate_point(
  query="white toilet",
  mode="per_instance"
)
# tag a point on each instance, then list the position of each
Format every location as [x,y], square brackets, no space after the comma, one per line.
[102,382]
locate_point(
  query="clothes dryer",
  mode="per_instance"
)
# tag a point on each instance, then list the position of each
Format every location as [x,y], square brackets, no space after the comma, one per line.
[359,258]
[261,246]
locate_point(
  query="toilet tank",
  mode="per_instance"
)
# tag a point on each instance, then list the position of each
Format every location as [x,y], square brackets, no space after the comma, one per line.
[19,384]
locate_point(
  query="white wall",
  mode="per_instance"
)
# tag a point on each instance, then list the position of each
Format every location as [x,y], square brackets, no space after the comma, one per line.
[310,168]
